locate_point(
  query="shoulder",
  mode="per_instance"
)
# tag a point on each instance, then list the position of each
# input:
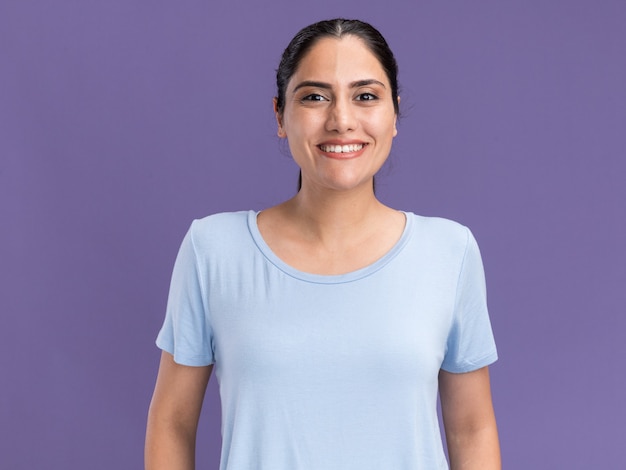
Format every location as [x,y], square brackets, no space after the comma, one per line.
[221,221]
[440,231]
[220,228]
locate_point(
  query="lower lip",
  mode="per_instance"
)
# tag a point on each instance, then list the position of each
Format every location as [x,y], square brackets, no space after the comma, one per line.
[344,156]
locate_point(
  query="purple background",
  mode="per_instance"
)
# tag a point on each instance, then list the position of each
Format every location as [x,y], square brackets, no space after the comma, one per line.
[120,121]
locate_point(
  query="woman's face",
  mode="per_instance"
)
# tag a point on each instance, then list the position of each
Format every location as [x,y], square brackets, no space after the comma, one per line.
[339,116]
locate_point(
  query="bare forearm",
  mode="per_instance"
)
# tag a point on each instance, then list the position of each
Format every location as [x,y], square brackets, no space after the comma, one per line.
[474,450]
[174,414]
[169,448]
[469,420]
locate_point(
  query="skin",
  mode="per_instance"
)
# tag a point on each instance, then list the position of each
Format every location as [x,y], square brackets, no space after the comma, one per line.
[174,414]
[339,95]
[469,420]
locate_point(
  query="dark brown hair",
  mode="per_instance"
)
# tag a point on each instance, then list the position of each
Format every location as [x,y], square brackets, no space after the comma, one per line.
[337,28]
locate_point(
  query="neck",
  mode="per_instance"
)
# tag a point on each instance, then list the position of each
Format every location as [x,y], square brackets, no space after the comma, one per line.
[331,215]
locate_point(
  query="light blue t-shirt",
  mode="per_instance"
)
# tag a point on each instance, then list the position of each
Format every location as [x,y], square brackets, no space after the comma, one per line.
[328,372]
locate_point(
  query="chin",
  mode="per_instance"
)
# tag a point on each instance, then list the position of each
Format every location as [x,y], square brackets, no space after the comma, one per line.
[351,184]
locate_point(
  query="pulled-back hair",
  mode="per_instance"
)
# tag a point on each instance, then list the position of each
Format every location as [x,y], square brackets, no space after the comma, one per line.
[336,28]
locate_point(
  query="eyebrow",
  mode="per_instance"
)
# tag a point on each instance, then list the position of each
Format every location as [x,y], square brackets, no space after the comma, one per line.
[327,86]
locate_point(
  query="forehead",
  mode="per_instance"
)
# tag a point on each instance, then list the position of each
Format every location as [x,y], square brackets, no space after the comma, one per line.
[339,60]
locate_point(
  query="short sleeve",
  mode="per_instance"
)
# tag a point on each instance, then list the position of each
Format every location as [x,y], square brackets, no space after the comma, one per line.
[186,332]
[470,344]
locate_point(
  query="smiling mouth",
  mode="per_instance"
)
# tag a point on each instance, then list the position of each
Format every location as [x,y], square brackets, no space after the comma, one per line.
[341,148]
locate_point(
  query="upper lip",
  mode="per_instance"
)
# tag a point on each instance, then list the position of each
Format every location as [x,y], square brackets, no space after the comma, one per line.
[342,142]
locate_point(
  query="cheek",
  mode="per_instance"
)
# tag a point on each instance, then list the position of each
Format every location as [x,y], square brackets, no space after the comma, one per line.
[300,127]
[393,128]
[385,128]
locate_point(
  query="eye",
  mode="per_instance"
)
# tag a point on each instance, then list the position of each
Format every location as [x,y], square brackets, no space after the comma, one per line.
[366,97]
[313,97]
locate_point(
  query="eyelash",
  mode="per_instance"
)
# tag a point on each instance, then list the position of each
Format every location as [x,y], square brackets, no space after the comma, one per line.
[313,97]
[360,97]
[370,97]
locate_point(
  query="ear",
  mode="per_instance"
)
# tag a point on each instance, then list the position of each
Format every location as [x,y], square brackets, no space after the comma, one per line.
[279,119]
[395,121]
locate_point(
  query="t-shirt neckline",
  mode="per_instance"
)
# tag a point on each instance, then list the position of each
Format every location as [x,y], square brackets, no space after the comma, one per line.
[330,278]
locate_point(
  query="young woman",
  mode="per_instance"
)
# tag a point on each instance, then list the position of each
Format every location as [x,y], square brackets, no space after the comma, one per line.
[331,320]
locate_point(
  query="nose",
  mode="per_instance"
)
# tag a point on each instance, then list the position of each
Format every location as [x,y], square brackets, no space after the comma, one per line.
[341,117]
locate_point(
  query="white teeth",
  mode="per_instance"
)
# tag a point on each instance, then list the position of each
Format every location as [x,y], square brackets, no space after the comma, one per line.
[341,148]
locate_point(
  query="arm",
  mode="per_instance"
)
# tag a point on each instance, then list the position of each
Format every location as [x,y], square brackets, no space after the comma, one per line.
[174,414]
[469,420]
